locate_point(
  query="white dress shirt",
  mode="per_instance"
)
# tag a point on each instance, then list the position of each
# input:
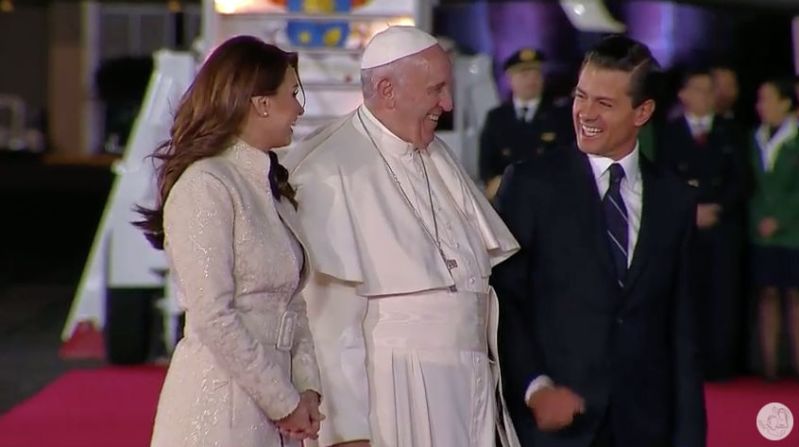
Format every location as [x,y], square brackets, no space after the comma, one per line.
[699,125]
[529,107]
[632,187]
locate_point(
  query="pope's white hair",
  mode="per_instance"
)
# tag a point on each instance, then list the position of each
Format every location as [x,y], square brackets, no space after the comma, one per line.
[396,71]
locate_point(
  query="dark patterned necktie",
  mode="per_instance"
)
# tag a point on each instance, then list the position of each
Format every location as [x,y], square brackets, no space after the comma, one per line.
[616,222]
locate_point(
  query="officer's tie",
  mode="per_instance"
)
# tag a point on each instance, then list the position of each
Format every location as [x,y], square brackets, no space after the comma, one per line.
[522,114]
[616,222]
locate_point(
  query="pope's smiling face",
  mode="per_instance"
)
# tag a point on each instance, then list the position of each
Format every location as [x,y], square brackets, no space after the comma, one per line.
[423,93]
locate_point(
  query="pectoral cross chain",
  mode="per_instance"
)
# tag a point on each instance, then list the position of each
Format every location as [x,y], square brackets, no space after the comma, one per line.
[451,263]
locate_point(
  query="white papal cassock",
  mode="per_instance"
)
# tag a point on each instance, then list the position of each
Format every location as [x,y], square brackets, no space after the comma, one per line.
[401,339]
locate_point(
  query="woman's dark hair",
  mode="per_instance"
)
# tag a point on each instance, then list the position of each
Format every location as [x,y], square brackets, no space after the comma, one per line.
[211,114]
[618,52]
[785,89]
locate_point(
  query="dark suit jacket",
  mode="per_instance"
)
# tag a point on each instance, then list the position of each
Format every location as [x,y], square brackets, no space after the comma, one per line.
[716,168]
[505,139]
[562,314]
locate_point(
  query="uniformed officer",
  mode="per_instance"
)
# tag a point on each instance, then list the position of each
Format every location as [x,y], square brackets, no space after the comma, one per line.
[524,127]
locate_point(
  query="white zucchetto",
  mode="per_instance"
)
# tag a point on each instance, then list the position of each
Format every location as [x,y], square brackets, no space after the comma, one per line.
[395,42]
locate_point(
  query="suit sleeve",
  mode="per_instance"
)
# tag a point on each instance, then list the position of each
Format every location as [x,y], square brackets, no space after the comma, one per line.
[198,222]
[519,353]
[336,315]
[691,424]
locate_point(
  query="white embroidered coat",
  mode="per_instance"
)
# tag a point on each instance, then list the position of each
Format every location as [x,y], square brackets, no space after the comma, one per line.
[235,254]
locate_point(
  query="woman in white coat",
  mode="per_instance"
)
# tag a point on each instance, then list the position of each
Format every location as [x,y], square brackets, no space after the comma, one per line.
[245,372]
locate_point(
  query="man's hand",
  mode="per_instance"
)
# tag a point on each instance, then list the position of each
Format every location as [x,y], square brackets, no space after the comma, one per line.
[353,444]
[707,215]
[767,227]
[555,407]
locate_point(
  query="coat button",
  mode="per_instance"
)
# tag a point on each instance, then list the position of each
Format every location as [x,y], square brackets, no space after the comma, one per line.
[619,321]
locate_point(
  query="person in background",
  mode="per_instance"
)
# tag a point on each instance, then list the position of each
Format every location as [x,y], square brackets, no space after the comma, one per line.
[704,149]
[525,127]
[245,372]
[774,221]
[725,91]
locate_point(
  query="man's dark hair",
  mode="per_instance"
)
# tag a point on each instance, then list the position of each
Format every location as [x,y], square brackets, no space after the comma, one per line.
[618,52]
[693,72]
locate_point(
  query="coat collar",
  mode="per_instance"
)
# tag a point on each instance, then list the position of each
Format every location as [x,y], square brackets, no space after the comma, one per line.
[653,212]
[255,165]
[253,162]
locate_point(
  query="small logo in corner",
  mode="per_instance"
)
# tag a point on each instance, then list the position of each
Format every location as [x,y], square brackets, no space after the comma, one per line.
[774,421]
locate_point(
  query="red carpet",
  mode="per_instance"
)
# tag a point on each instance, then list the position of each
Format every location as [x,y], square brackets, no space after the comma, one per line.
[114,407]
[107,407]
[732,410]
[86,342]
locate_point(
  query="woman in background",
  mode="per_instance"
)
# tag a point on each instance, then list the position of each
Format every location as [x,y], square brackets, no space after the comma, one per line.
[774,221]
[245,373]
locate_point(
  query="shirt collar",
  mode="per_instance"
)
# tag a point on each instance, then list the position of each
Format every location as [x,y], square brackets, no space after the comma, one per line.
[383,137]
[632,170]
[787,130]
[530,104]
[704,121]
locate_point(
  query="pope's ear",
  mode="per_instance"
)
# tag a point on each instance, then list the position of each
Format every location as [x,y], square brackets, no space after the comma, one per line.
[386,90]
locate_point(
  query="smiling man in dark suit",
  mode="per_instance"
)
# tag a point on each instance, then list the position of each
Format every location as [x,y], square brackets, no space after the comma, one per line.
[597,322]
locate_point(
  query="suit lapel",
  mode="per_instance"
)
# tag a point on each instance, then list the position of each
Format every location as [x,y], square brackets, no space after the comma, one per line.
[652,212]
[510,113]
[685,130]
[589,209]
